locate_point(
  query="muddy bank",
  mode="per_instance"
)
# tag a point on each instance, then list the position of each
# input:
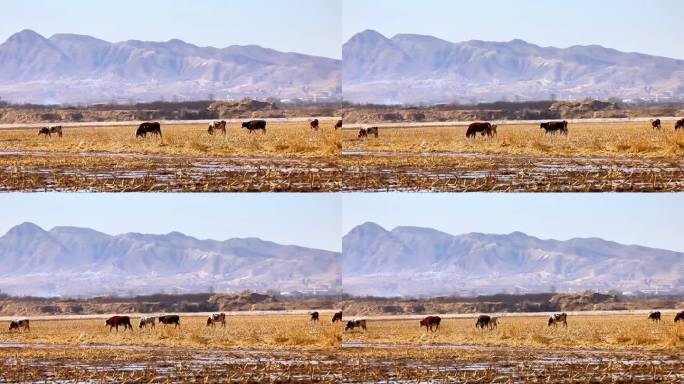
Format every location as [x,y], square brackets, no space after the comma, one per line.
[461,172]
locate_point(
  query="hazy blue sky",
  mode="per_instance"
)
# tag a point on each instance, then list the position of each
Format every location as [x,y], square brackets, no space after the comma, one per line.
[306,26]
[311,220]
[646,219]
[653,27]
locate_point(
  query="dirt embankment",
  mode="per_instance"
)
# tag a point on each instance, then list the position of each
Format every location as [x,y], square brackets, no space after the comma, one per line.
[196,110]
[541,110]
[352,114]
[245,301]
[546,302]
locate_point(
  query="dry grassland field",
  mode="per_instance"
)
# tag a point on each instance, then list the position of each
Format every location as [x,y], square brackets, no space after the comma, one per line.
[289,157]
[599,348]
[249,349]
[606,156]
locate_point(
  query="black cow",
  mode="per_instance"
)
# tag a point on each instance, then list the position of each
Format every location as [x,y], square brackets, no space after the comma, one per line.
[483,321]
[337,317]
[148,127]
[655,124]
[479,127]
[351,324]
[364,132]
[654,316]
[679,124]
[20,324]
[679,317]
[314,124]
[338,124]
[254,125]
[555,126]
[44,131]
[56,129]
[314,317]
[170,319]
[116,321]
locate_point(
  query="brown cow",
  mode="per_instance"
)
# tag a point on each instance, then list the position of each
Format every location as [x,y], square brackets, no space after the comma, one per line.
[430,321]
[314,317]
[338,124]
[364,132]
[314,124]
[351,324]
[479,127]
[679,317]
[217,318]
[116,321]
[655,124]
[337,317]
[679,124]
[44,131]
[20,324]
[654,316]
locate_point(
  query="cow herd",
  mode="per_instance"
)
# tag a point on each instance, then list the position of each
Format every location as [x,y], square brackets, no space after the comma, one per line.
[153,128]
[488,129]
[431,323]
[486,322]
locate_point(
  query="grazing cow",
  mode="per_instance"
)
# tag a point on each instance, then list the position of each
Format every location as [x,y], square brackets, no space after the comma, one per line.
[679,317]
[217,126]
[364,132]
[655,124]
[338,124]
[494,323]
[554,126]
[217,318]
[558,318]
[20,324]
[483,321]
[679,124]
[351,324]
[56,129]
[492,131]
[655,316]
[170,319]
[44,131]
[337,317]
[314,124]
[116,321]
[147,320]
[430,321]
[314,317]
[479,127]
[148,127]
[254,125]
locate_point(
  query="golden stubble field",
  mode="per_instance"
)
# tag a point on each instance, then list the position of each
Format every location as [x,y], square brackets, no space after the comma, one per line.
[613,332]
[241,332]
[624,139]
[289,157]
[593,157]
[282,139]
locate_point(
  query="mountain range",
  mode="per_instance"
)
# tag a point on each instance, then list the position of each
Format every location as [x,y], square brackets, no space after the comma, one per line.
[424,261]
[411,68]
[70,261]
[70,68]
